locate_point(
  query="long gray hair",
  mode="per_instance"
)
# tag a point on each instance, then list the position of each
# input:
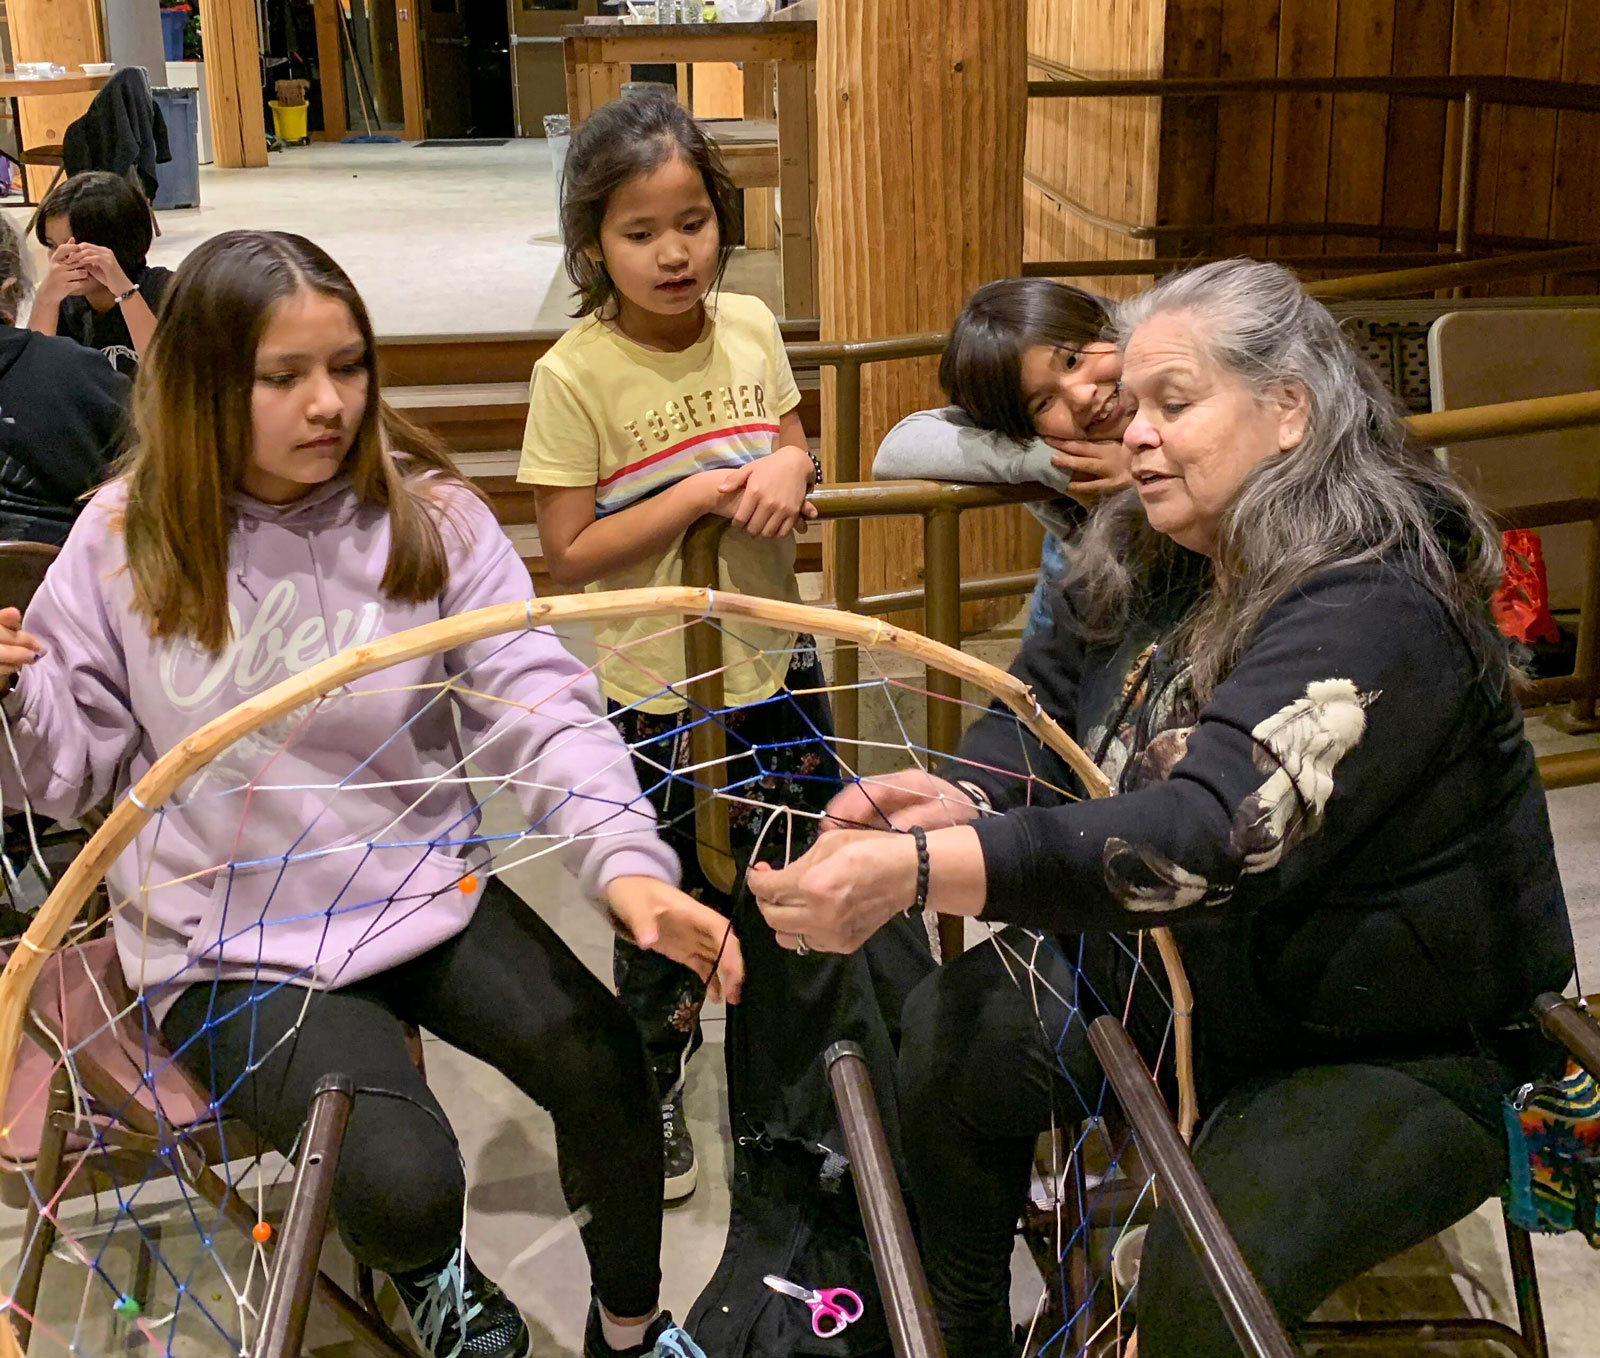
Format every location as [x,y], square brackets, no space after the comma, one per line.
[1351,490]
[15,285]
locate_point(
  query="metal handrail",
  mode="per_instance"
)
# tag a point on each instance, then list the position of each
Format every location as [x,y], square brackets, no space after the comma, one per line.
[940,505]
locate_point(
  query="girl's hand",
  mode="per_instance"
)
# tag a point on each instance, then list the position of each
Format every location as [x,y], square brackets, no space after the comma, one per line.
[774,492]
[65,275]
[840,892]
[897,801]
[706,487]
[101,266]
[1097,469]
[648,912]
[17,648]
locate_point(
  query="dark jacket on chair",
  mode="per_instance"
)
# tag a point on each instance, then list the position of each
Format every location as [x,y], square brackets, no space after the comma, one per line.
[123,130]
[63,411]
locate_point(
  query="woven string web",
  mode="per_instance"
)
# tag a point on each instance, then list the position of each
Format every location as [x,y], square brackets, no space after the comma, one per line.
[157,1216]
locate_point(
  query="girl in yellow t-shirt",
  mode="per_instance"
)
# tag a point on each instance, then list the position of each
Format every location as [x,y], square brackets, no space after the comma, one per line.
[670,400]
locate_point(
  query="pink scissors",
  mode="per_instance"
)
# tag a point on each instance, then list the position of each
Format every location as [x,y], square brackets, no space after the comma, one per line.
[831,1309]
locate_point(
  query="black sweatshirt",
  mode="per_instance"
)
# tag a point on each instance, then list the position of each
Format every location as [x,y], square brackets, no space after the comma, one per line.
[63,411]
[1349,840]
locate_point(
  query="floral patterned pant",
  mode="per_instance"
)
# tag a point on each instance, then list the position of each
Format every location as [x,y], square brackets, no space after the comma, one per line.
[778,755]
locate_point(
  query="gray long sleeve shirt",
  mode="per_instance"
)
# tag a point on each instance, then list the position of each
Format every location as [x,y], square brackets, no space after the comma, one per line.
[946,445]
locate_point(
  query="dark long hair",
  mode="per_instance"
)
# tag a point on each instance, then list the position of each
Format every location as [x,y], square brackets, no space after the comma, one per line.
[193,436]
[622,140]
[981,370]
[104,209]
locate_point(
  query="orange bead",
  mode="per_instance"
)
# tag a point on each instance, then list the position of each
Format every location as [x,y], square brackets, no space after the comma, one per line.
[468,884]
[261,1232]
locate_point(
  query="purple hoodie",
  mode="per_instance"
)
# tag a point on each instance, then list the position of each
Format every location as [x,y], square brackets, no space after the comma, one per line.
[334,843]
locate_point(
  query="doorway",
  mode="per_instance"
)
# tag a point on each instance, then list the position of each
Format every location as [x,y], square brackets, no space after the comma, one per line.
[466,59]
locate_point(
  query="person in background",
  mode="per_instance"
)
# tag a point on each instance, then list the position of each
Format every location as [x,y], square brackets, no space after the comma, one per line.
[62,416]
[1033,385]
[98,290]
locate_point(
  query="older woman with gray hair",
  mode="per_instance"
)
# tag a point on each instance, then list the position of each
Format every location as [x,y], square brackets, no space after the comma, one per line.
[1278,648]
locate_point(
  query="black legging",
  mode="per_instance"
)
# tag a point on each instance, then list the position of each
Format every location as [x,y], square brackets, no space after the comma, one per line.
[506,990]
[1321,1172]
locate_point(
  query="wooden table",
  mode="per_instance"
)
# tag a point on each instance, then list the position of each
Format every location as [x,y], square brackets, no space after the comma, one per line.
[17,88]
[597,60]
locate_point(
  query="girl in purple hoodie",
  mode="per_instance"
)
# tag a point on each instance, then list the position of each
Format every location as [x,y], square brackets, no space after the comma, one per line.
[259,526]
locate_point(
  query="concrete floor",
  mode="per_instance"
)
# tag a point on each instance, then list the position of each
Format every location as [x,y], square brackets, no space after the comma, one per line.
[447,240]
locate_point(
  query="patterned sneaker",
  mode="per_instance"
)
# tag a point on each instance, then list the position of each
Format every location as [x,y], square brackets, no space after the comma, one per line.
[662,1340]
[681,1171]
[458,1313]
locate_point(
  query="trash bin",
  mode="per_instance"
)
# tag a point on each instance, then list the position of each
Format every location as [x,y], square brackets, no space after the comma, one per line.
[178,180]
[173,22]
[558,136]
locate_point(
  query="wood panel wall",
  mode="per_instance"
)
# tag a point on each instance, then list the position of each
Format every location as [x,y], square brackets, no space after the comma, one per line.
[1312,158]
[1103,153]
[920,155]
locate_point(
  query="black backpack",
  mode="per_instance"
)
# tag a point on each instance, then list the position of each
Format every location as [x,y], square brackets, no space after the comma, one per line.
[794,1211]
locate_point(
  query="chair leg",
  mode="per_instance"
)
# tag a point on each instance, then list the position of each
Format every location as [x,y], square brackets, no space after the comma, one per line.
[39,1233]
[1079,1291]
[1525,1283]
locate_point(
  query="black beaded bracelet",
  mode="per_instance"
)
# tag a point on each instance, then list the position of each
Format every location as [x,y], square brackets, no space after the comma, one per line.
[920,836]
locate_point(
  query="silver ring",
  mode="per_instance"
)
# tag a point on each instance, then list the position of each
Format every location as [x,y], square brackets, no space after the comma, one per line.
[800,948]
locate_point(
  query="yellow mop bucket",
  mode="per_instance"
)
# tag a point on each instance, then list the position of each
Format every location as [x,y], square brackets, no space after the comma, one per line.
[289,120]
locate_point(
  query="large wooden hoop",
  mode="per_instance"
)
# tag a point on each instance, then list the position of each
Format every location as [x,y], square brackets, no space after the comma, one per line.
[163,777]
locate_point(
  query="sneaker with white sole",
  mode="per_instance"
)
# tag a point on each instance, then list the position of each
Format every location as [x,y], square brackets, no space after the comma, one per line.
[662,1340]
[681,1173]
[459,1313]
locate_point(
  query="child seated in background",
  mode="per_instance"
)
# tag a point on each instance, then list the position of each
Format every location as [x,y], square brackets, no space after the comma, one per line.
[1034,397]
[97,228]
[62,413]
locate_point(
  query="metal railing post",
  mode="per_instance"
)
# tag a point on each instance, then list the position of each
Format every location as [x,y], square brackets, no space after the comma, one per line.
[294,1263]
[1255,1325]
[1467,185]
[708,741]
[847,552]
[907,1304]
[941,620]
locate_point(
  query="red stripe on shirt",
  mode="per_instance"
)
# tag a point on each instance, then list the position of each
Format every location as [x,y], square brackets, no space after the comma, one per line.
[724,432]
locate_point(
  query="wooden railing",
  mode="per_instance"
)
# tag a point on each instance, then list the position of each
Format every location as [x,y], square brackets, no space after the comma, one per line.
[1473,92]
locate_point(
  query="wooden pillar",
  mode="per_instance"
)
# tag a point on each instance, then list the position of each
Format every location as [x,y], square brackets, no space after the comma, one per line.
[408,33]
[233,70]
[921,106]
[63,31]
[330,70]
[760,209]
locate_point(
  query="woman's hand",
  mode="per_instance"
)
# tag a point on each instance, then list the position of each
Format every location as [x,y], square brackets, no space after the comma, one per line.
[17,648]
[1097,469]
[654,915]
[897,801]
[773,492]
[840,892]
[101,266]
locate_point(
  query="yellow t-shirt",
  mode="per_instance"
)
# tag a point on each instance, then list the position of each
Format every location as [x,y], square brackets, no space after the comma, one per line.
[630,421]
